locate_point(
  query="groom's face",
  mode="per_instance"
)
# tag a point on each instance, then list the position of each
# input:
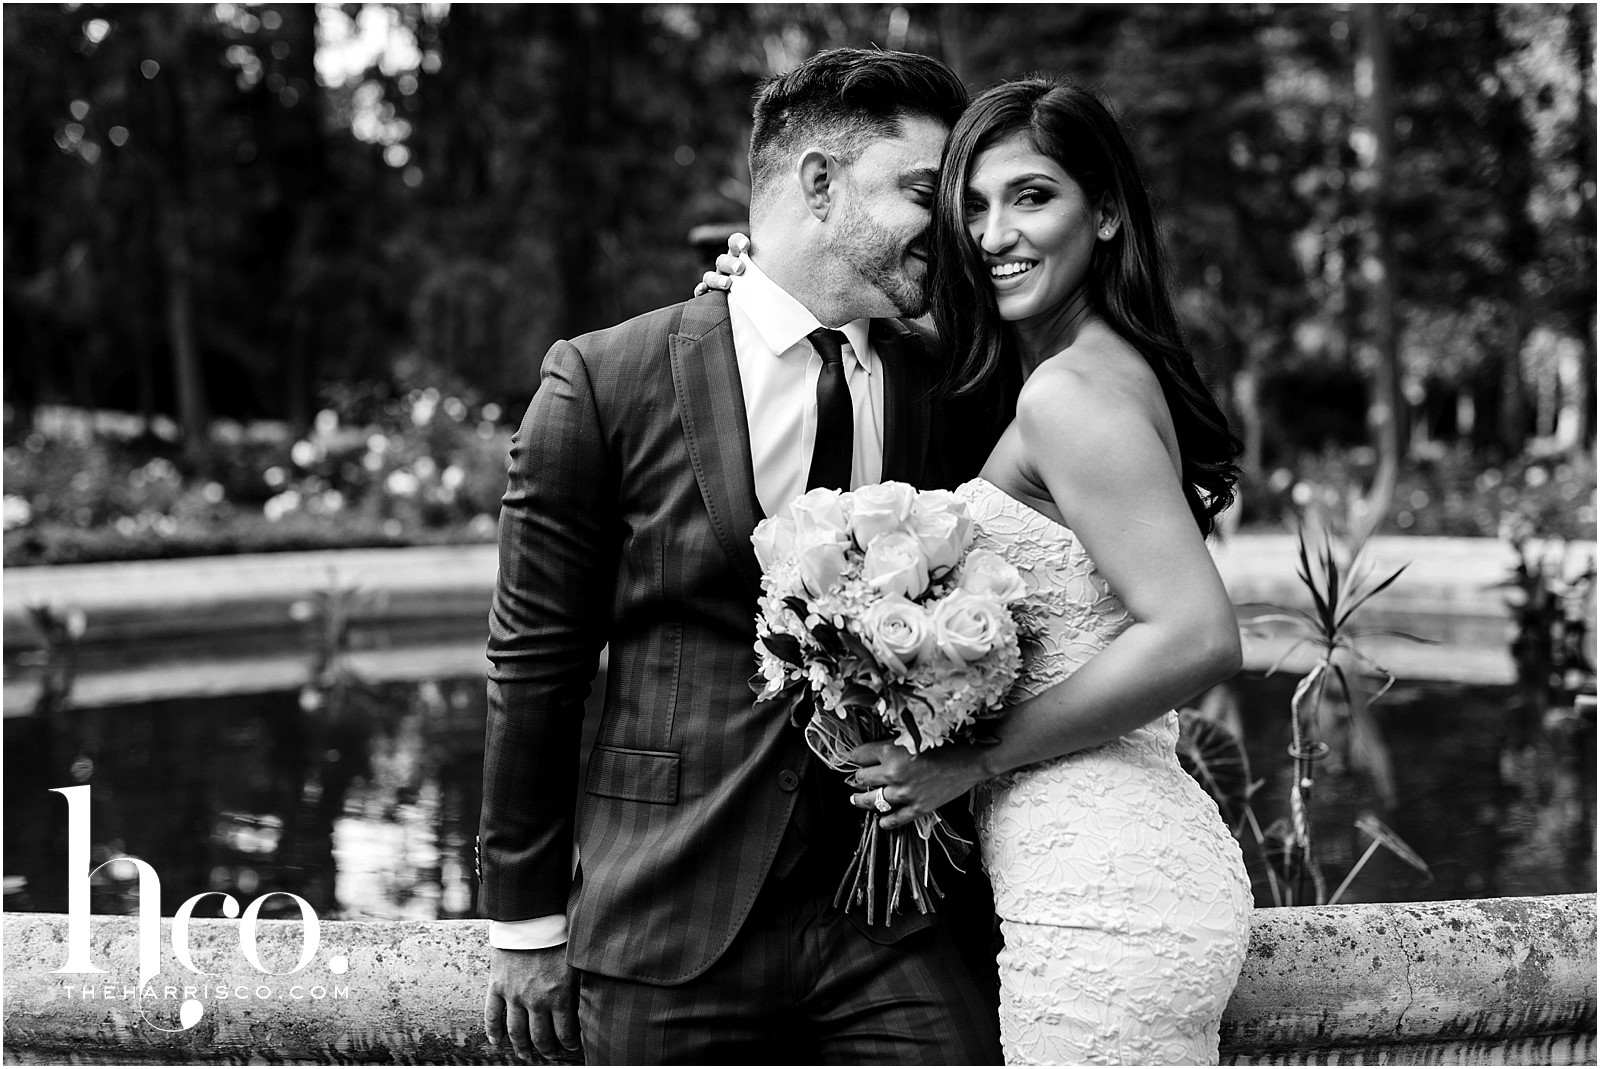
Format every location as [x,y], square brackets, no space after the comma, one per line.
[881,234]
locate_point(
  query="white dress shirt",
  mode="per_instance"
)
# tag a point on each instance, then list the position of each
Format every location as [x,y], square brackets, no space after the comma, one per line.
[778,371]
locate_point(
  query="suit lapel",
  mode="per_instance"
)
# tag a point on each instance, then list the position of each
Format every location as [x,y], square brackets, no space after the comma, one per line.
[705,376]
[905,402]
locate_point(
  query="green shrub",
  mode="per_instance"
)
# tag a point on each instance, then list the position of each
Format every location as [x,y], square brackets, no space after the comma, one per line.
[1448,494]
[382,465]
[397,464]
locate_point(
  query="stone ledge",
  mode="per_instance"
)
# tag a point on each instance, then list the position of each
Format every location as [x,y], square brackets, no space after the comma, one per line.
[140,600]
[1423,981]
[1496,981]
[127,599]
[164,628]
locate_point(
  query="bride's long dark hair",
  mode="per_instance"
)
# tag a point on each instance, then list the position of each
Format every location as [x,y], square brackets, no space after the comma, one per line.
[1126,276]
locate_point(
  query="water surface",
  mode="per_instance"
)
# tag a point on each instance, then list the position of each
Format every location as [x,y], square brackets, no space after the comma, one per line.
[364,799]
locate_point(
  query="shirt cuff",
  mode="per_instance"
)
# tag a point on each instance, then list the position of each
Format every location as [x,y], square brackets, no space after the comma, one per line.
[536,933]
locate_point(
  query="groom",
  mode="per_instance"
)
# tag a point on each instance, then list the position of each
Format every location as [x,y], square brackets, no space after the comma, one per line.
[695,924]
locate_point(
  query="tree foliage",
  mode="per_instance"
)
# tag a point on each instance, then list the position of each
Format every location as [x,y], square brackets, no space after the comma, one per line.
[202,217]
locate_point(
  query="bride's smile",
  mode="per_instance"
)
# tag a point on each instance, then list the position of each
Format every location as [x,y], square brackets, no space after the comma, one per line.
[1034,228]
[1010,269]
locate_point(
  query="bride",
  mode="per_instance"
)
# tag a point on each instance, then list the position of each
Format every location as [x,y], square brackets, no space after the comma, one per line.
[1123,899]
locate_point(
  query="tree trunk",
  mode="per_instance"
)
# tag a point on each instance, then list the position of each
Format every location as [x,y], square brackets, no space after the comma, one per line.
[582,73]
[1522,410]
[165,30]
[953,37]
[1386,411]
[310,188]
[1581,30]
[179,313]
[1585,401]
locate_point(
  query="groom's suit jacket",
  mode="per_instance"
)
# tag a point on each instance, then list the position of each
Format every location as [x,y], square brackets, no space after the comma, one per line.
[627,521]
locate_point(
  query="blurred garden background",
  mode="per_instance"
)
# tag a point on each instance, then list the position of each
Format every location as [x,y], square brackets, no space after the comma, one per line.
[279,278]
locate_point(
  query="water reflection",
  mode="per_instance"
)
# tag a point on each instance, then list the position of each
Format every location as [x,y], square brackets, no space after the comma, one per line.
[1492,810]
[365,801]
[362,804]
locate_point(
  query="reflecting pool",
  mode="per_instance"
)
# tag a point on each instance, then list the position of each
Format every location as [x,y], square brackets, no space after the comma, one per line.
[363,798]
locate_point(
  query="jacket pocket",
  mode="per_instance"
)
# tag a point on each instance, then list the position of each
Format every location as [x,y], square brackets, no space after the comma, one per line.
[633,775]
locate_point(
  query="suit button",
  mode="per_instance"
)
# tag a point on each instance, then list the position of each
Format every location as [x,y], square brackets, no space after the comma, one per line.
[788,780]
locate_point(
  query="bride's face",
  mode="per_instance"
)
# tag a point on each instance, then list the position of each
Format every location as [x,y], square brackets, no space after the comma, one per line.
[1033,227]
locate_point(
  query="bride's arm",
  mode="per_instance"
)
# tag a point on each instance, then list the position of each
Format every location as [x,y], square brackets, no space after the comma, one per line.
[1103,462]
[1099,455]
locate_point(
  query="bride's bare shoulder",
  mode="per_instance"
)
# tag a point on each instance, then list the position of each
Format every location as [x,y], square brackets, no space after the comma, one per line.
[1092,391]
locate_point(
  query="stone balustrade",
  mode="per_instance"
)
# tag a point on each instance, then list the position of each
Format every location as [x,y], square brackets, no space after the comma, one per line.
[1499,981]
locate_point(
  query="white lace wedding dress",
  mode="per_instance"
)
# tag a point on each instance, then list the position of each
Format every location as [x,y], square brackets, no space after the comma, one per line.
[1122,897]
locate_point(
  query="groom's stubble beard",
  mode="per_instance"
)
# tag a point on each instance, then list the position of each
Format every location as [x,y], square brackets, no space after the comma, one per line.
[878,258]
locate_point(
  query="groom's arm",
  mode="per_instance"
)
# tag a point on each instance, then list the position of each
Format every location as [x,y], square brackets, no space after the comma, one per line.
[547,627]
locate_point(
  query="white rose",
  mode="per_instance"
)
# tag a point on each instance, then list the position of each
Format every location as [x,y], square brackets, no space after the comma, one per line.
[896,564]
[940,522]
[774,540]
[821,557]
[967,626]
[879,509]
[987,572]
[821,510]
[898,631]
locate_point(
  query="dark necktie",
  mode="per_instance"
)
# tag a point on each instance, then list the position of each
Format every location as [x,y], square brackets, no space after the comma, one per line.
[825,826]
[831,453]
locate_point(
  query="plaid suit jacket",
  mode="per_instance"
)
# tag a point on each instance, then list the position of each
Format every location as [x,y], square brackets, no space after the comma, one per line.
[627,521]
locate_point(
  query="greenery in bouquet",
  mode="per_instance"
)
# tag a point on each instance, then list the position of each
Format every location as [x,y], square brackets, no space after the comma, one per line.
[879,621]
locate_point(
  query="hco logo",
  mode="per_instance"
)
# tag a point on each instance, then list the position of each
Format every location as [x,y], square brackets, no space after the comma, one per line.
[79,874]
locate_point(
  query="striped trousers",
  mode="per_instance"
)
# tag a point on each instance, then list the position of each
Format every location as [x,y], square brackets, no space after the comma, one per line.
[802,985]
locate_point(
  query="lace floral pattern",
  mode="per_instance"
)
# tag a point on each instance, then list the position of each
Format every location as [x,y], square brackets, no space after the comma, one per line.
[1123,898]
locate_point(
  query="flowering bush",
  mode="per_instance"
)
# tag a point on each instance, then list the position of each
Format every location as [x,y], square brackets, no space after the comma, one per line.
[1451,493]
[423,460]
[426,462]
[379,466]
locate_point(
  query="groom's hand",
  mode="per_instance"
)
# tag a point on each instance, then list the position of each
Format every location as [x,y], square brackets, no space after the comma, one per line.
[533,1000]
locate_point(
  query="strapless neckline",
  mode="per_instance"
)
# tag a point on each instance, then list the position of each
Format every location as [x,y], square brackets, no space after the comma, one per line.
[1018,503]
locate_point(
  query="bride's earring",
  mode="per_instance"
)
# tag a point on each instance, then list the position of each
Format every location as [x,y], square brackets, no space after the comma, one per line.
[1108,222]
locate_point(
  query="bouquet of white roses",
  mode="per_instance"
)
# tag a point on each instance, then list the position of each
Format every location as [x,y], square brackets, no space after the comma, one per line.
[879,622]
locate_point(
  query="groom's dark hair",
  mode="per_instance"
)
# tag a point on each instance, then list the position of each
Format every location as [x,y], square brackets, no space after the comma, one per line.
[844,99]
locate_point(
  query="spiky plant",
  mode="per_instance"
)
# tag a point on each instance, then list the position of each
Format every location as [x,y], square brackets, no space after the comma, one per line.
[1339,581]
[1337,592]
[330,613]
[72,738]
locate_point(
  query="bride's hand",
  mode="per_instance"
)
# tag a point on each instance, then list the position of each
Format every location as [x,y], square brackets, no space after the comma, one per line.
[913,786]
[728,265]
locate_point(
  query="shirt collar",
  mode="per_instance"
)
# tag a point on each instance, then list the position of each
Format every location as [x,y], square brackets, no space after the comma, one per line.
[783,322]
